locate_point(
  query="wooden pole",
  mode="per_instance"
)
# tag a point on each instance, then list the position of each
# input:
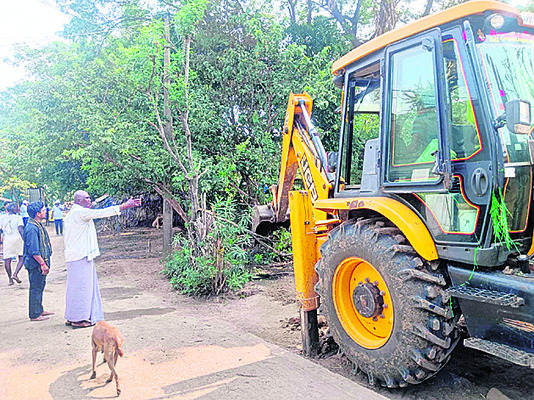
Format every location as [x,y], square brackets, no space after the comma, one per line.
[167,126]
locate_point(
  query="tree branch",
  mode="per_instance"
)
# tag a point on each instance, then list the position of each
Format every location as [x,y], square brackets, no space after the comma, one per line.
[165,193]
[259,238]
[428,8]
[159,129]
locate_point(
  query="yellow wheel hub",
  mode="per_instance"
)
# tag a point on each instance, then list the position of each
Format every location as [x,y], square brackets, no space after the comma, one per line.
[363,303]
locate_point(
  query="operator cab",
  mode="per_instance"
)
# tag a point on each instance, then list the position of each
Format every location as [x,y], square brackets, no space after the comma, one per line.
[437,116]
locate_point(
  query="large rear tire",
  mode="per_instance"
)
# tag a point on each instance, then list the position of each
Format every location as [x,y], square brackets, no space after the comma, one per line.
[386,307]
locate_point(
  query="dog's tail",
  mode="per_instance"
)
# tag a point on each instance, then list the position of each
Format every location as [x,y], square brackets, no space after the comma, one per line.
[118,343]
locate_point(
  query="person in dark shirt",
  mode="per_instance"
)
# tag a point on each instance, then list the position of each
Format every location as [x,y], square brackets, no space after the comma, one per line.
[37,252]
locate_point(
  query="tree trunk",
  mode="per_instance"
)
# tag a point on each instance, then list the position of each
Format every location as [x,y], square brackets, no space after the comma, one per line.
[386,17]
[291,9]
[167,228]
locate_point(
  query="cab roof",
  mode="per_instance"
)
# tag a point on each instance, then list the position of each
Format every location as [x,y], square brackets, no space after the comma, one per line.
[423,24]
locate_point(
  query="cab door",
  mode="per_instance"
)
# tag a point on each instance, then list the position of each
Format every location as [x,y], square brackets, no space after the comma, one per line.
[415,146]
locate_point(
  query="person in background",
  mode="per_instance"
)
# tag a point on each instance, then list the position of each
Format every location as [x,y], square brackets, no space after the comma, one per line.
[4,211]
[83,302]
[37,252]
[57,210]
[24,212]
[12,227]
[47,214]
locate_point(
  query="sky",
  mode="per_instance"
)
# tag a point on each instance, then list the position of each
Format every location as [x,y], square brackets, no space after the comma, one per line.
[34,22]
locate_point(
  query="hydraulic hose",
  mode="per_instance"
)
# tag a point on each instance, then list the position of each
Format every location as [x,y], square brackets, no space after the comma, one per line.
[314,135]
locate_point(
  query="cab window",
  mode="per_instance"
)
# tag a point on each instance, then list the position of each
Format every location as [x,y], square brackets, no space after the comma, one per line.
[414,119]
[464,136]
[363,123]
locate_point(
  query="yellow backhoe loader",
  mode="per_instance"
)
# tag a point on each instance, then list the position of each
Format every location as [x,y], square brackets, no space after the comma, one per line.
[433,220]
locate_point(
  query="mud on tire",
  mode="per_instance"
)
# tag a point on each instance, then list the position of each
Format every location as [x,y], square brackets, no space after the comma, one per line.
[424,329]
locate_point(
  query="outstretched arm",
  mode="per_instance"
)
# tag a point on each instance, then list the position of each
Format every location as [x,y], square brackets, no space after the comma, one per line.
[131,202]
[109,211]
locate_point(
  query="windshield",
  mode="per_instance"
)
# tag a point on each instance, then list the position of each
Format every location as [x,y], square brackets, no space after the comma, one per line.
[508,64]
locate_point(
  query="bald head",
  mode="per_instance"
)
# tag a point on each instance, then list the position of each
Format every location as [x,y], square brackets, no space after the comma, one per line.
[82,198]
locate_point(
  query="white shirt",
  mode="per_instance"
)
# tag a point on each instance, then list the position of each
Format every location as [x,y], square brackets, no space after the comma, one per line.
[80,232]
[24,211]
[9,223]
[58,212]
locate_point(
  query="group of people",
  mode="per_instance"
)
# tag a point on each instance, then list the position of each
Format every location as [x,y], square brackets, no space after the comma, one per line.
[31,244]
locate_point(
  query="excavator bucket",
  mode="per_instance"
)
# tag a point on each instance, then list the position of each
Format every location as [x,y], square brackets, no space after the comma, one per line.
[262,216]
[264,220]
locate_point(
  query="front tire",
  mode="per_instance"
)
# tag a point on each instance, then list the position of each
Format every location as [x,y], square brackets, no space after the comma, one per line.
[386,307]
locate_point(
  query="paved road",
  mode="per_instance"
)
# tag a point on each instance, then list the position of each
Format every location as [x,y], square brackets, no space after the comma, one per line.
[170,352]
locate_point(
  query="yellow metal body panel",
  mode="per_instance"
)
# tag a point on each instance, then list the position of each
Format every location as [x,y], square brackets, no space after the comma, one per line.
[298,152]
[288,166]
[423,24]
[402,216]
[303,240]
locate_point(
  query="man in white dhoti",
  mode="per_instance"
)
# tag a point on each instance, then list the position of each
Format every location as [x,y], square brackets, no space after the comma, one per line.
[83,302]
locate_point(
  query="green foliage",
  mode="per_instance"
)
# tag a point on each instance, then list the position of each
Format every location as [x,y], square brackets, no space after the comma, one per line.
[282,240]
[189,15]
[194,280]
[320,34]
[219,262]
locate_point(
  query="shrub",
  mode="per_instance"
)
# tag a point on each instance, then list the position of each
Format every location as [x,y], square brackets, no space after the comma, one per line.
[218,261]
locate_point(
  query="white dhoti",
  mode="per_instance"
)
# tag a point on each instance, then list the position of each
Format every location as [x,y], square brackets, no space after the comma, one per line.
[83,302]
[13,246]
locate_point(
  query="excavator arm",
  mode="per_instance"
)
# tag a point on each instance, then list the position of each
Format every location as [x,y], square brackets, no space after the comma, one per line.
[302,151]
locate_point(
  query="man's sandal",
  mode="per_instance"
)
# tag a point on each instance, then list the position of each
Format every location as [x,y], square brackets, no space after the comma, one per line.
[82,324]
[39,318]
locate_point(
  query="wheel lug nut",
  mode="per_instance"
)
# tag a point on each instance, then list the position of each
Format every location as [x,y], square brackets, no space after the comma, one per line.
[385,305]
[360,283]
[375,283]
[375,318]
[382,293]
[367,280]
[382,316]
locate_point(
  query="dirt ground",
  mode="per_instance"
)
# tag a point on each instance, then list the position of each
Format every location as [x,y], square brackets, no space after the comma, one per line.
[175,347]
[264,308]
[469,375]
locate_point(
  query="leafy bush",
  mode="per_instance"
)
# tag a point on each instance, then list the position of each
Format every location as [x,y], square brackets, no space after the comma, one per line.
[282,240]
[218,262]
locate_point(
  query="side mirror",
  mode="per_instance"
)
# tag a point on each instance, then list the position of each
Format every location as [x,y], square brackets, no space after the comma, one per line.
[518,116]
[332,161]
[339,81]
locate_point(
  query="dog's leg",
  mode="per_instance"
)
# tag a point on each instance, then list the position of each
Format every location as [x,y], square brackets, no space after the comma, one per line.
[112,358]
[109,360]
[115,358]
[95,350]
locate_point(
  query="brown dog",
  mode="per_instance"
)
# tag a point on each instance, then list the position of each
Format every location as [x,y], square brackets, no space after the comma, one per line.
[108,340]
